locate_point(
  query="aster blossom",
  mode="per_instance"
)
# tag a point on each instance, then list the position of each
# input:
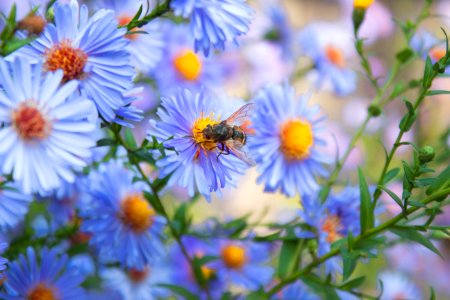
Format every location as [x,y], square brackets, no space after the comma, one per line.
[46,130]
[3,261]
[91,50]
[123,226]
[214,22]
[13,206]
[286,141]
[195,163]
[46,278]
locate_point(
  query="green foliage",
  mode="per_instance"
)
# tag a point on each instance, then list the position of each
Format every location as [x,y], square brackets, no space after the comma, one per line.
[366,214]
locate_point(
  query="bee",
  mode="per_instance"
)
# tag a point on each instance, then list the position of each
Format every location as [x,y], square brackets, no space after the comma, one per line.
[231,134]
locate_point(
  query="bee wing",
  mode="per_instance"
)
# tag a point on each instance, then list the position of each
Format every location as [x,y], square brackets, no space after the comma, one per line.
[241,115]
[235,147]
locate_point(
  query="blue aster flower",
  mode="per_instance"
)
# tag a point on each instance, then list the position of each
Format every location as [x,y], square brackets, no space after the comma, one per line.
[297,290]
[287,139]
[328,47]
[145,49]
[181,272]
[46,132]
[427,44]
[91,50]
[194,161]
[398,286]
[13,207]
[122,225]
[331,221]
[135,284]
[183,68]
[280,32]
[214,22]
[242,263]
[3,261]
[46,278]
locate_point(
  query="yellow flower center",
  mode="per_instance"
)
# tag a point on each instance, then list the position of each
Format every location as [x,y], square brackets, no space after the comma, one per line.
[332,226]
[197,132]
[207,272]
[296,138]
[188,65]
[437,53]
[29,122]
[41,292]
[71,60]
[335,56]
[234,256]
[137,213]
[362,3]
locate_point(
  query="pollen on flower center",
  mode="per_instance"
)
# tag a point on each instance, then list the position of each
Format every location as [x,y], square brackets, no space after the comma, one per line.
[197,132]
[137,213]
[68,58]
[296,138]
[41,292]
[332,225]
[29,122]
[437,53]
[335,56]
[234,256]
[188,65]
[123,21]
[137,276]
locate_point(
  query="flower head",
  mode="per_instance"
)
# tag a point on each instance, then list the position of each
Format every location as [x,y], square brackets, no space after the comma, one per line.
[122,224]
[286,140]
[91,50]
[194,162]
[45,133]
[397,286]
[13,207]
[242,263]
[327,46]
[427,44]
[364,4]
[46,278]
[183,68]
[214,22]
[297,290]
[3,261]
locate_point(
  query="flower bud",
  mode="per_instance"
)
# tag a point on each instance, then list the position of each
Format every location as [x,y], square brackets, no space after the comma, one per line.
[426,154]
[33,24]
[364,4]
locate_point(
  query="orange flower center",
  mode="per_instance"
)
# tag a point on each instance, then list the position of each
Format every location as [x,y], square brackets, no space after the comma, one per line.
[137,276]
[335,56]
[188,65]
[437,53]
[71,60]
[29,122]
[296,138]
[234,256]
[332,226]
[137,213]
[197,132]
[41,292]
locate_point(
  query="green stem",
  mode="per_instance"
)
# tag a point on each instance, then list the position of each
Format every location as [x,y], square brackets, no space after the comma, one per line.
[369,233]
[158,11]
[339,165]
[173,230]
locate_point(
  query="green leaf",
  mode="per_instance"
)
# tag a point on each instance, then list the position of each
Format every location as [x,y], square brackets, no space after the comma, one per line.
[432,294]
[178,290]
[366,213]
[404,55]
[353,284]
[391,174]
[413,235]
[428,73]
[349,260]
[106,142]
[437,92]
[289,257]
[441,181]
[316,284]
[392,195]
[153,202]
[416,203]
[181,219]
[130,142]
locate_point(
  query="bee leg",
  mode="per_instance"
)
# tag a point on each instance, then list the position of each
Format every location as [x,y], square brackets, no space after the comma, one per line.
[223,150]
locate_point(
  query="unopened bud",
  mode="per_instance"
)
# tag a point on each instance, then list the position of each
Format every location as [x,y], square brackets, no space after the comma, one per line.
[33,24]
[426,154]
